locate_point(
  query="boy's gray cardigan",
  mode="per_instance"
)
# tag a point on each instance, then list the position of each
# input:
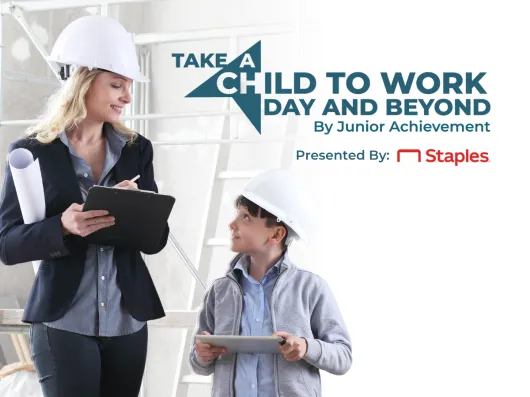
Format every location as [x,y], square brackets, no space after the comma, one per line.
[303,305]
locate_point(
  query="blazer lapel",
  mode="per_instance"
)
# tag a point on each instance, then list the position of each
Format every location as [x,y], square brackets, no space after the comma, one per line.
[59,176]
[127,165]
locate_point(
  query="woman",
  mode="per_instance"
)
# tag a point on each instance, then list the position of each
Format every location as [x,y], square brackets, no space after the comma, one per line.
[89,303]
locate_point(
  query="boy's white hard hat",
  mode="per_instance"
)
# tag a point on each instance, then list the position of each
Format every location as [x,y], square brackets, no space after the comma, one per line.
[98,42]
[280,192]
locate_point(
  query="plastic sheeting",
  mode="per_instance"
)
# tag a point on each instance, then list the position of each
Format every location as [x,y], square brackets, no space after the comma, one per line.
[20,384]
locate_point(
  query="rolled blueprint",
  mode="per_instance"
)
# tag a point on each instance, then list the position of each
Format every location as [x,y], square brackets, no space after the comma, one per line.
[30,190]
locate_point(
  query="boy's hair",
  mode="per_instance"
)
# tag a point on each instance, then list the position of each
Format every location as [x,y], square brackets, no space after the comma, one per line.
[271,220]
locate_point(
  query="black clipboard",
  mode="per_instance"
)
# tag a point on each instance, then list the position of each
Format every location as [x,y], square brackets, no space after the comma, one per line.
[140,216]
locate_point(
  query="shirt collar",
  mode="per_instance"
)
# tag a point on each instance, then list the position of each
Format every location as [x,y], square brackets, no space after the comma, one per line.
[244,262]
[114,139]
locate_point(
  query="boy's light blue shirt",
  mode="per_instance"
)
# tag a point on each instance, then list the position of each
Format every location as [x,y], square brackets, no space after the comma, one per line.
[254,372]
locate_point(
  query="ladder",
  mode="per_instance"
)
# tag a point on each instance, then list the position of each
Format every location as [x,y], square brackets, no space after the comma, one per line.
[137,113]
[184,377]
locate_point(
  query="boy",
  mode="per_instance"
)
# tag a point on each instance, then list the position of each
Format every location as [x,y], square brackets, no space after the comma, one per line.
[264,294]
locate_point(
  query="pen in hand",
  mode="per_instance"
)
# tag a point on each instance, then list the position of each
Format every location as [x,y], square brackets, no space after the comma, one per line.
[121,185]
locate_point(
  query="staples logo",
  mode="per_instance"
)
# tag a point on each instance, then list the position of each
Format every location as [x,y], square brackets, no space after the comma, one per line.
[438,156]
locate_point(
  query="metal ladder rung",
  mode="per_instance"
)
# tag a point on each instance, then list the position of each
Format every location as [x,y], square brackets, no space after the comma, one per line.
[197,379]
[176,319]
[11,320]
[246,174]
[217,242]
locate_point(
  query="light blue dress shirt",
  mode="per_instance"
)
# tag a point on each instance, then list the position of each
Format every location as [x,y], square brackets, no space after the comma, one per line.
[97,309]
[255,372]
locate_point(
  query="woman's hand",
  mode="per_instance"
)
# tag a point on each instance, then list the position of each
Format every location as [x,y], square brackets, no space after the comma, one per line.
[75,221]
[127,185]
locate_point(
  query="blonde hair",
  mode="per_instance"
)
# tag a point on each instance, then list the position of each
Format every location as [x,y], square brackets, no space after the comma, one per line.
[66,108]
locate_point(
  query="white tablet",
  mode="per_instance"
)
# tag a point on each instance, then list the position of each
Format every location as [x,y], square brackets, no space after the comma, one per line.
[243,344]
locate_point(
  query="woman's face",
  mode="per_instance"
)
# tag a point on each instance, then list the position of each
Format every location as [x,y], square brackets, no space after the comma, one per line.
[107,96]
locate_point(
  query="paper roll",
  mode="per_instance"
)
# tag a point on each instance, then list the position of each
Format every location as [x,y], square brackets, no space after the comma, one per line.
[30,189]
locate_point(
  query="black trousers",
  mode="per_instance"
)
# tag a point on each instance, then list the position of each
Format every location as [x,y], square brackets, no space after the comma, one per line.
[74,365]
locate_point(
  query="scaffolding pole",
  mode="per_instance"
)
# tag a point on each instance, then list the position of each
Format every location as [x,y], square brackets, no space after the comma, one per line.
[50,5]
[152,116]
[20,17]
[11,320]
[211,34]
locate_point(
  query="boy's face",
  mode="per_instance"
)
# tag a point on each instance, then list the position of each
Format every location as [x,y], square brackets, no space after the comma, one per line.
[250,234]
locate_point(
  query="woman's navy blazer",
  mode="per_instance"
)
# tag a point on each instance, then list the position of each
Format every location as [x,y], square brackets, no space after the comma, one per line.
[60,273]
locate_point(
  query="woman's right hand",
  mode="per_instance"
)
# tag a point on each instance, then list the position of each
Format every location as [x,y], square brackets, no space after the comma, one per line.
[75,221]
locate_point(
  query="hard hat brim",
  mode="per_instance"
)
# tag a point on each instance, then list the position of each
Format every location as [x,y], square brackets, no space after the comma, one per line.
[140,77]
[136,76]
[299,233]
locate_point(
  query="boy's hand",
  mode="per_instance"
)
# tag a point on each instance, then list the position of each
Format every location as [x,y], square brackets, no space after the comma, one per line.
[294,348]
[208,352]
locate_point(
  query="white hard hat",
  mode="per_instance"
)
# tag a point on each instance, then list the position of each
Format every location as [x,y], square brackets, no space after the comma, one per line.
[98,42]
[280,192]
